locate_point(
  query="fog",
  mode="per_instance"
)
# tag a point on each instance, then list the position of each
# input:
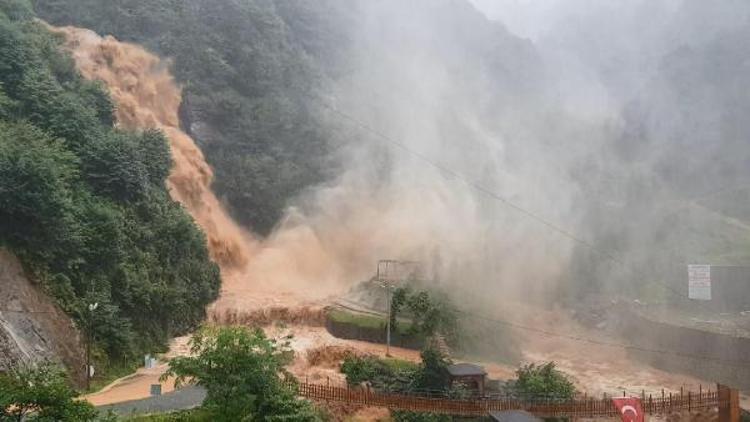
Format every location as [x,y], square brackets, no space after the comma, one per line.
[522,151]
[442,120]
[605,120]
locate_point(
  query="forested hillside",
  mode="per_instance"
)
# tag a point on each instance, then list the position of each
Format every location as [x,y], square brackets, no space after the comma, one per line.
[671,187]
[84,205]
[259,78]
[245,81]
[253,71]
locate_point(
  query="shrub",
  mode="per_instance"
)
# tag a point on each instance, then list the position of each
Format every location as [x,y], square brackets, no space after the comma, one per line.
[542,381]
[402,416]
[243,373]
[41,393]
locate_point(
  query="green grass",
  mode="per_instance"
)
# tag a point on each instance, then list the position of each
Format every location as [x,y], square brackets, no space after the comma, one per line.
[366,320]
[360,320]
[400,365]
[108,374]
[194,415]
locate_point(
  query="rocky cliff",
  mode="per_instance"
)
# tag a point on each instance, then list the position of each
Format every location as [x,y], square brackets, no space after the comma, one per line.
[32,327]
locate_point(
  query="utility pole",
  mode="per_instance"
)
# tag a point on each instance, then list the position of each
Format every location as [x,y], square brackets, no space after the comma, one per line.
[388,322]
[91,307]
[384,284]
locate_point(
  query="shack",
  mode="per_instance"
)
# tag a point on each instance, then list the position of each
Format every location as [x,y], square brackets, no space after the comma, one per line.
[513,416]
[472,377]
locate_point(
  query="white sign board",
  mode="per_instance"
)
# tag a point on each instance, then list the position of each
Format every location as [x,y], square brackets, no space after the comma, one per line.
[699,282]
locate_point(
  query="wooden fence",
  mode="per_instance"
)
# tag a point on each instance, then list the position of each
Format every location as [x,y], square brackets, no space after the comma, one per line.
[582,407]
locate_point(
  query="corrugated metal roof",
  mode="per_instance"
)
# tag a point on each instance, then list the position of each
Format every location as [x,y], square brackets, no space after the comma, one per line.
[514,416]
[466,369]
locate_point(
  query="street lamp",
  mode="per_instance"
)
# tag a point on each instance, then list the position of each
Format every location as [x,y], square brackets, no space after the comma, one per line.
[92,307]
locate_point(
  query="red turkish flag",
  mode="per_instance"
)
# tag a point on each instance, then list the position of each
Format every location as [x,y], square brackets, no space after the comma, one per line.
[630,409]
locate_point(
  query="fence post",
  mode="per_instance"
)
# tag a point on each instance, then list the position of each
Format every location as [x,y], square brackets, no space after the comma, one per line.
[650,403]
[729,404]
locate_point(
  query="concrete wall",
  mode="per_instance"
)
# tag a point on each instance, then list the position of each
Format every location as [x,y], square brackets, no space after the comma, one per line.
[373,335]
[728,356]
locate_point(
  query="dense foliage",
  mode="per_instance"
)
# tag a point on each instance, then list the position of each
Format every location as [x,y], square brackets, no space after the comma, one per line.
[430,377]
[84,205]
[41,394]
[404,416]
[243,373]
[542,381]
[381,374]
[429,313]
[246,85]
[193,415]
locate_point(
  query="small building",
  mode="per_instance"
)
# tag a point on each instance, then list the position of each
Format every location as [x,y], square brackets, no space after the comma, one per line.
[513,416]
[470,376]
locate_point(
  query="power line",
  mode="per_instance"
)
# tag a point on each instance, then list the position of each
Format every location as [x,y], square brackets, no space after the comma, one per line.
[489,193]
[542,331]
[727,362]
[455,174]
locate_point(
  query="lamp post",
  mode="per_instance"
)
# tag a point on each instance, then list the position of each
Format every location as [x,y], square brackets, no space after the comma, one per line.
[91,307]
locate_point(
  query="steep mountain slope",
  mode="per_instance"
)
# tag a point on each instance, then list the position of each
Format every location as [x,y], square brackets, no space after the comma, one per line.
[32,326]
[84,205]
[244,81]
[264,83]
[670,187]
[253,72]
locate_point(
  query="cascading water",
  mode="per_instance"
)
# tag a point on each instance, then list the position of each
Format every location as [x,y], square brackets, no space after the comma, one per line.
[147,97]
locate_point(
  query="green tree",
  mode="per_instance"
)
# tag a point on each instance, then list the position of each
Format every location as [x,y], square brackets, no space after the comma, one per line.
[245,78]
[433,375]
[542,381]
[430,314]
[41,394]
[243,373]
[7,106]
[17,9]
[35,195]
[359,369]
[403,416]
[85,206]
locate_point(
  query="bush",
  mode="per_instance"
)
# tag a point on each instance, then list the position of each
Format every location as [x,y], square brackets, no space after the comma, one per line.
[243,373]
[194,415]
[429,314]
[429,377]
[359,369]
[433,375]
[41,393]
[402,416]
[542,382]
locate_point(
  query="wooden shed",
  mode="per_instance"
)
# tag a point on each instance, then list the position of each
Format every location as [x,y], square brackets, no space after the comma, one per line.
[470,376]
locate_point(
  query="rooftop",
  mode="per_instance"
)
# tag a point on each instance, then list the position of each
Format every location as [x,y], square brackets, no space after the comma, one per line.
[513,416]
[466,369]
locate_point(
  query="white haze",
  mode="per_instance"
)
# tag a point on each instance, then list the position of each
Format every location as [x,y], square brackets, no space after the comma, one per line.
[544,118]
